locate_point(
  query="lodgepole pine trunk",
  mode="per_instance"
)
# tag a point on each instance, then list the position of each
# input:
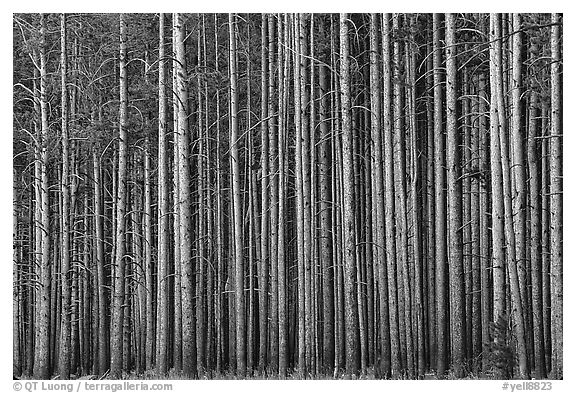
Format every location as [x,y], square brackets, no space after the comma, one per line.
[455,256]
[116,336]
[237,206]
[163,209]
[184,209]
[351,314]
[64,355]
[556,203]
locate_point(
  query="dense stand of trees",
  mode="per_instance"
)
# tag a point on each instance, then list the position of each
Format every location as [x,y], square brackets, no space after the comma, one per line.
[288,195]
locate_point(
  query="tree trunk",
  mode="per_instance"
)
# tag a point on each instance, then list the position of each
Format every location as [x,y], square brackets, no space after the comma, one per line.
[498,257]
[351,318]
[264,231]
[64,355]
[535,230]
[519,177]
[118,301]
[440,202]
[556,203]
[283,67]
[163,209]
[455,257]
[273,171]
[326,253]
[184,210]
[389,199]
[510,243]
[236,191]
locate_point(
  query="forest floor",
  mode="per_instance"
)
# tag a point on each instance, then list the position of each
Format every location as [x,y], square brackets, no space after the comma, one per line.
[370,374]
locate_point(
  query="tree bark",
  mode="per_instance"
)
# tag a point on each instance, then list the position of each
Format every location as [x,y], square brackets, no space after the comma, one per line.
[163,208]
[41,354]
[389,198]
[455,257]
[189,361]
[498,257]
[236,191]
[119,283]
[556,203]
[264,219]
[64,355]
[351,318]
[440,202]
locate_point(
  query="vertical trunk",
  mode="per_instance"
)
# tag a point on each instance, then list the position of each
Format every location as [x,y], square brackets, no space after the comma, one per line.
[306,190]
[273,170]
[16,283]
[498,267]
[184,208]
[475,212]
[518,172]
[64,355]
[546,256]
[300,229]
[324,164]
[102,300]
[351,318]
[209,248]
[405,284]
[41,354]
[389,199]
[378,233]
[264,232]
[465,163]
[163,223]
[219,230]
[200,225]
[150,325]
[556,205]
[37,226]
[485,243]
[283,61]
[455,257]
[86,300]
[418,266]
[440,202]
[177,321]
[512,265]
[236,192]
[430,291]
[535,230]
[253,250]
[118,301]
